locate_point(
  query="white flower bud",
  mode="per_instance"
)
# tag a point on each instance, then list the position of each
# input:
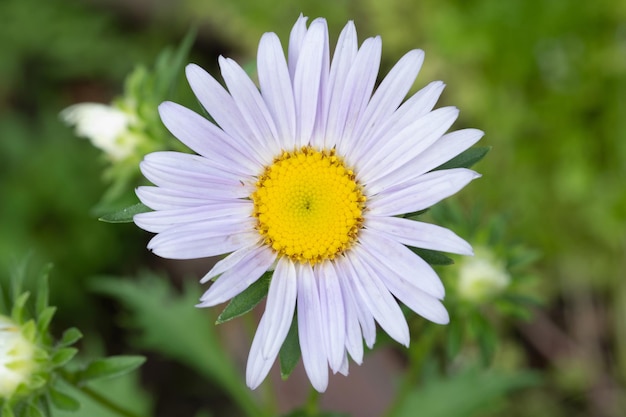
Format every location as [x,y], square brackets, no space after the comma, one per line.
[17,361]
[107,127]
[482,275]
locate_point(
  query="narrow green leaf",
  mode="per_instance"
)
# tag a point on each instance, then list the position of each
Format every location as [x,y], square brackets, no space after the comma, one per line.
[17,313]
[70,336]
[31,410]
[465,159]
[41,302]
[290,351]
[63,356]
[44,319]
[432,257]
[110,367]
[63,401]
[125,215]
[247,300]
[415,215]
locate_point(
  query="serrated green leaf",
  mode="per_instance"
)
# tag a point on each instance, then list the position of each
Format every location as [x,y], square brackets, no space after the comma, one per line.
[63,401]
[70,336]
[110,367]
[432,257]
[125,215]
[63,356]
[247,300]
[465,159]
[289,355]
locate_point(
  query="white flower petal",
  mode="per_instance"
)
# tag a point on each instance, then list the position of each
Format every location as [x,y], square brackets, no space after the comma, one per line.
[281,303]
[390,94]
[444,149]
[159,198]
[208,140]
[332,307]
[239,277]
[419,234]
[258,366]
[310,329]
[191,241]
[402,261]
[251,105]
[411,110]
[160,220]
[230,261]
[276,88]
[421,193]
[356,93]
[377,298]
[417,300]
[354,339]
[307,78]
[396,150]
[296,38]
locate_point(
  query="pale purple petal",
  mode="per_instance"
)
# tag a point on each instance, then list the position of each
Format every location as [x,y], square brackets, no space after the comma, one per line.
[377,298]
[208,140]
[390,94]
[331,303]
[281,303]
[310,329]
[258,367]
[159,198]
[307,78]
[414,108]
[396,150]
[204,238]
[251,106]
[296,38]
[239,277]
[354,339]
[222,108]
[356,93]
[402,261]
[444,149]
[276,88]
[419,234]
[158,221]
[230,261]
[421,193]
[417,300]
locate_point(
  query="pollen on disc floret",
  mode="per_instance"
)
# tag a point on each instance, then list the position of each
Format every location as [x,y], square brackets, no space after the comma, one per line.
[308,205]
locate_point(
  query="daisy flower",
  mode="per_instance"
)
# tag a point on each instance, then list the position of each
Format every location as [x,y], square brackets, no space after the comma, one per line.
[309,175]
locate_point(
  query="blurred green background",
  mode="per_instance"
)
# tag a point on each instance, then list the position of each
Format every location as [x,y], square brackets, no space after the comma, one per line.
[545,79]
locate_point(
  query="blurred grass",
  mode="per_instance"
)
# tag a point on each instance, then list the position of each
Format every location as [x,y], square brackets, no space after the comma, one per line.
[546,81]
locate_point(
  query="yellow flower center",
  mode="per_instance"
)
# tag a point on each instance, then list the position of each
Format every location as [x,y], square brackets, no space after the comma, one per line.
[308,205]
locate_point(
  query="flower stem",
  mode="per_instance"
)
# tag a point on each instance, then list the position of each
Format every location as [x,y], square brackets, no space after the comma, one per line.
[313,404]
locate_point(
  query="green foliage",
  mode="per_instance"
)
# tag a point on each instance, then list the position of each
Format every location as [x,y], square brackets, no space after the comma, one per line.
[465,159]
[125,215]
[289,354]
[466,394]
[159,312]
[246,300]
[111,367]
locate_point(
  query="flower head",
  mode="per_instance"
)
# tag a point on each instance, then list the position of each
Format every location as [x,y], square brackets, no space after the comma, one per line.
[107,127]
[17,358]
[308,175]
[482,276]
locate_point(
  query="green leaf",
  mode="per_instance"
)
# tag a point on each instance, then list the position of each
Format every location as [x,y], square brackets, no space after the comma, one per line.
[63,401]
[7,410]
[70,336]
[125,215]
[63,356]
[306,413]
[465,159]
[41,301]
[247,300]
[31,410]
[289,355]
[110,367]
[415,214]
[432,257]
[17,312]
[473,391]
[44,319]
